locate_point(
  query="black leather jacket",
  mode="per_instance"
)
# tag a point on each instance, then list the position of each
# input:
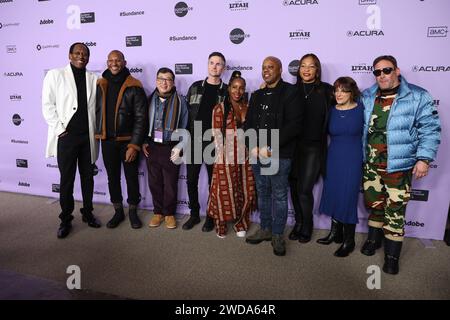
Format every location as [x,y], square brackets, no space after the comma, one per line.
[131,121]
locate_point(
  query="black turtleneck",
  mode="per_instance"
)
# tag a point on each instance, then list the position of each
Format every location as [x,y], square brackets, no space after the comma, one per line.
[315,106]
[388,92]
[115,82]
[79,123]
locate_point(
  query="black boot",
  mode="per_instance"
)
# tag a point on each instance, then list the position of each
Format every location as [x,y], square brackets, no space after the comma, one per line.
[134,218]
[208,225]
[88,217]
[295,233]
[349,241]
[373,242]
[305,232]
[391,255]
[118,217]
[447,237]
[192,221]
[336,233]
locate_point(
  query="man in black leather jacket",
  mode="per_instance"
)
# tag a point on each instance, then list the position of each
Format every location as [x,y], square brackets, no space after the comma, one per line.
[121,126]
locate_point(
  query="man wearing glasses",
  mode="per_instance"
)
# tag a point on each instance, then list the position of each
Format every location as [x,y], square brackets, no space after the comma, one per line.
[167,113]
[202,97]
[401,138]
[120,125]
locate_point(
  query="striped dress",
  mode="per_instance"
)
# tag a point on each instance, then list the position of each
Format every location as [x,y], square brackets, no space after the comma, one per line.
[232,195]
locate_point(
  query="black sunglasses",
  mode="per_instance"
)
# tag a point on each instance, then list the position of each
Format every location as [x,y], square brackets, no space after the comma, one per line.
[377,72]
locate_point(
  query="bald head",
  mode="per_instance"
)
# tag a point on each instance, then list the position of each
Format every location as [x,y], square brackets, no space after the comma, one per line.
[271,71]
[117,52]
[116,61]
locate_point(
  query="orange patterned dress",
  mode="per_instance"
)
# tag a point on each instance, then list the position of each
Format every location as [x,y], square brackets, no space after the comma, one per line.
[232,196]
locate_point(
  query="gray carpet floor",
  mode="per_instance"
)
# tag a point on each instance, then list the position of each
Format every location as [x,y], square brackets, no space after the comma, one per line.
[158,263]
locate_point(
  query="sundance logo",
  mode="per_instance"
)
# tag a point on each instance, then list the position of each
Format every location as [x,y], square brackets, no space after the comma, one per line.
[430,68]
[15,97]
[299,35]
[293,67]
[22,163]
[240,68]
[100,193]
[11,49]
[13,74]
[237,36]
[182,38]
[133,41]
[19,141]
[5,1]
[23,184]
[238,6]
[299,2]
[87,17]
[17,120]
[46,21]
[131,13]
[181,9]
[434,32]
[183,68]
[53,166]
[365,33]
[136,70]
[362,68]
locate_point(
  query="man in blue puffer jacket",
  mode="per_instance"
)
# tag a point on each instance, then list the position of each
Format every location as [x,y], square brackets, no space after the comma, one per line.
[401,138]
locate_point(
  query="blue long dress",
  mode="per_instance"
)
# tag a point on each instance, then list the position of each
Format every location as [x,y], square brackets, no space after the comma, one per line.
[344,165]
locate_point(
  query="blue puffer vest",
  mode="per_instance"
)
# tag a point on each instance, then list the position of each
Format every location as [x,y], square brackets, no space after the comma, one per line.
[413,126]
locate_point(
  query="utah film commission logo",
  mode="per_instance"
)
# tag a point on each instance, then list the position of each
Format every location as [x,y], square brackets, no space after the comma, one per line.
[17,120]
[238,35]
[181,9]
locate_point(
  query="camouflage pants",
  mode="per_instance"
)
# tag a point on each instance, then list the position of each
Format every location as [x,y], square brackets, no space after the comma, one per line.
[386,195]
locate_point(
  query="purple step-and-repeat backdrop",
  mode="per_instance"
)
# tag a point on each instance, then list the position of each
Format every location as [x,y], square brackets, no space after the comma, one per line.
[346,35]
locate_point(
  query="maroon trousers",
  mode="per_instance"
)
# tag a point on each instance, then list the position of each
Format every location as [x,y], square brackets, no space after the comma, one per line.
[162,179]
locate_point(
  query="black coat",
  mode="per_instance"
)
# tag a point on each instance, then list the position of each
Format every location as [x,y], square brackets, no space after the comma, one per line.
[288,115]
[322,95]
[131,120]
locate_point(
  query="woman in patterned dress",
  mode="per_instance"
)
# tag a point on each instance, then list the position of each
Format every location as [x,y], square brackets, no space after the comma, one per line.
[232,196]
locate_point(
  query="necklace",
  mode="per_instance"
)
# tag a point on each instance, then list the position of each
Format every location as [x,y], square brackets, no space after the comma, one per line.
[310,91]
[342,112]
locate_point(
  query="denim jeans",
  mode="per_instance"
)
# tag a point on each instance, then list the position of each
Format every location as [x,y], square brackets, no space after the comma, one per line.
[273,188]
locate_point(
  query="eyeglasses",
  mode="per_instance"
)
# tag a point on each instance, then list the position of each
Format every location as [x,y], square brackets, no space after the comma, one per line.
[162,80]
[377,72]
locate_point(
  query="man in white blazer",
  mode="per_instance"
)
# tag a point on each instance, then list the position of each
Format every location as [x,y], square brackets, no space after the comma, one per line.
[68,106]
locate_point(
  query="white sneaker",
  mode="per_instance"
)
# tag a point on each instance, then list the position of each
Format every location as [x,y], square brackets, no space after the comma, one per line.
[241,234]
[221,236]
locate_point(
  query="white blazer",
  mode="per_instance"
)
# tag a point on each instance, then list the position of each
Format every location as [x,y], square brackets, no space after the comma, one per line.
[59,104]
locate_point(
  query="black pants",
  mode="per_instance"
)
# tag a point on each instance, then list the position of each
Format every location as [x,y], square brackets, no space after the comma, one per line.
[193,173]
[302,183]
[113,153]
[72,150]
[162,179]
